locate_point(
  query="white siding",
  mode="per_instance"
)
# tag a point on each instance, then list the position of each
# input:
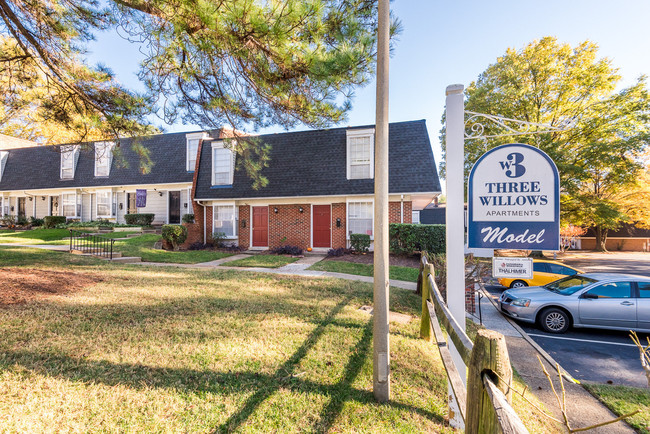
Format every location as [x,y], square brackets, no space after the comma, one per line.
[86,207]
[156,205]
[185,199]
[42,206]
[121,199]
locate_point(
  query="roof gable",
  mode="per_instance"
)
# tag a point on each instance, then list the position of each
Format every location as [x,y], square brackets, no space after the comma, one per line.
[313,163]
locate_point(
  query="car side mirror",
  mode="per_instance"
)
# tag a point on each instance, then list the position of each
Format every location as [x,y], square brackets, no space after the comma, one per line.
[589,296]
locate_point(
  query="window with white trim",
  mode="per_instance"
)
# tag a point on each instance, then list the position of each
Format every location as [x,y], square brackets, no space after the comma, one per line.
[103,158]
[192,147]
[226,219]
[360,154]
[3,162]
[105,205]
[71,206]
[360,218]
[415,217]
[223,164]
[69,155]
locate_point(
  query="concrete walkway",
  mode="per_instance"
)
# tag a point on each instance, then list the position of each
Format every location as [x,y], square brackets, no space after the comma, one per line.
[59,247]
[582,408]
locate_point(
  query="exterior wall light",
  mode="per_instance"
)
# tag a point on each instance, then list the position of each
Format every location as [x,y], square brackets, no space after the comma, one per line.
[275,209]
[160,193]
[31,198]
[338,222]
[42,197]
[243,223]
[300,209]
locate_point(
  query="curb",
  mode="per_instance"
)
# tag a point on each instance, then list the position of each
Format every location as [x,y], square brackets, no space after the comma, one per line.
[532,343]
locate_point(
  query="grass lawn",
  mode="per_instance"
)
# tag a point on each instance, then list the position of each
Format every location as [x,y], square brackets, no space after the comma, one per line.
[264,261]
[142,246]
[48,236]
[398,273]
[178,350]
[35,236]
[623,400]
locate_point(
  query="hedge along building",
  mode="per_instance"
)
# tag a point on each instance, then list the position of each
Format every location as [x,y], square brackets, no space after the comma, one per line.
[320,187]
[97,180]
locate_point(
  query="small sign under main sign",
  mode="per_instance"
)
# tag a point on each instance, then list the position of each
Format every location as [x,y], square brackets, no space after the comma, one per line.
[512,267]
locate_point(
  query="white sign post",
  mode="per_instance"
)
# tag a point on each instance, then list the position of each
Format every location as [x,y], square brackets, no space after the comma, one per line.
[455,226]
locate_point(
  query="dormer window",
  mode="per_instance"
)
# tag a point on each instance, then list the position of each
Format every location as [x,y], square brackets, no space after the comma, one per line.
[192,148]
[3,162]
[103,158]
[360,154]
[69,157]
[223,164]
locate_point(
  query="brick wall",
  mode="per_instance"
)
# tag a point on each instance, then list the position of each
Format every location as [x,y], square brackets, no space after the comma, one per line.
[470,299]
[394,210]
[194,234]
[244,232]
[289,226]
[618,244]
[338,233]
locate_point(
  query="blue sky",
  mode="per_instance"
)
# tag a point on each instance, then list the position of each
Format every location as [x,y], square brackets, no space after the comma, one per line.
[451,41]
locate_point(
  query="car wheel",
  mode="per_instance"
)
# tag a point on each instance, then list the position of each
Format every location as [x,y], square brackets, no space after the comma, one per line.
[518,284]
[554,320]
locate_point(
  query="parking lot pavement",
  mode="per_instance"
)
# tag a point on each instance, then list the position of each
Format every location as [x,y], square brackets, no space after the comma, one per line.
[600,356]
[611,262]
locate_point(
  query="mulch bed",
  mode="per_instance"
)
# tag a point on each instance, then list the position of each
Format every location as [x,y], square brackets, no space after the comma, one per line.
[368,258]
[21,285]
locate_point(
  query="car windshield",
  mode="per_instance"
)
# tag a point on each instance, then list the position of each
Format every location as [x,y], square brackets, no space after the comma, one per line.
[569,285]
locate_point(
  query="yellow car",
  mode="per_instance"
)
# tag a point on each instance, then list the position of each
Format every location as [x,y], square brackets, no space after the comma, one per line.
[543,272]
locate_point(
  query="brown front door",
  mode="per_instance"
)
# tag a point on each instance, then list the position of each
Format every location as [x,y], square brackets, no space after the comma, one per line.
[260,226]
[130,204]
[21,207]
[174,207]
[322,226]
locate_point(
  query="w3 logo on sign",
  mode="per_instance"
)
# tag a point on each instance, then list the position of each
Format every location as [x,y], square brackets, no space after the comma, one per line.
[513,166]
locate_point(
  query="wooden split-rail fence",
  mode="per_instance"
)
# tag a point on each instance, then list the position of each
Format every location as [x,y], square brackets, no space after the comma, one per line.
[485,404]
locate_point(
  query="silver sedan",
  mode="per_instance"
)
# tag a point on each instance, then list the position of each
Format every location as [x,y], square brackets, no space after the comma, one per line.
[595,300]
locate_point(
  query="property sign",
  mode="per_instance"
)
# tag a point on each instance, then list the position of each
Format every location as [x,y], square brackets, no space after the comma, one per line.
[140,198]
[514,200]
[512,267]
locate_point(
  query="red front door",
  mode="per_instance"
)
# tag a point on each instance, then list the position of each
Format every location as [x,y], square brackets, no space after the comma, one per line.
[260,226]
[322,226]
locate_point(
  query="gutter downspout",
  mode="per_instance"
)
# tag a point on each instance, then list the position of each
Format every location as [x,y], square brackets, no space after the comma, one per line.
[205,236]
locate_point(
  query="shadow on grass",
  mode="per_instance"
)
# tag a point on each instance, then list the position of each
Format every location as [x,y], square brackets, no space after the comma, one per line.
[263,386]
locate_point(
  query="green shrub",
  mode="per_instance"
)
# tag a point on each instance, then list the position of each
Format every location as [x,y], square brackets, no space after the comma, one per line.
[52,221]
[188,218]
[36,221]
[8,220]
[360,242]
[21,220]
[408,238]
[218,239]
[139,219]
[174,234]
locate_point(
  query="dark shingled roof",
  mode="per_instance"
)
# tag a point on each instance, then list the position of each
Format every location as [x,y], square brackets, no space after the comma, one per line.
[313,163]
[38,167]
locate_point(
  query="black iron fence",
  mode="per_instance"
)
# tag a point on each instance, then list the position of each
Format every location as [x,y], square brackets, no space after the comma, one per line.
[91,244]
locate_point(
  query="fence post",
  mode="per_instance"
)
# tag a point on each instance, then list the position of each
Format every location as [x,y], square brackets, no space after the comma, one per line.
[425,318]
[489,355]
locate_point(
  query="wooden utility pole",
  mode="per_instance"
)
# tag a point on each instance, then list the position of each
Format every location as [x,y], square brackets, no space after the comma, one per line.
[381,352]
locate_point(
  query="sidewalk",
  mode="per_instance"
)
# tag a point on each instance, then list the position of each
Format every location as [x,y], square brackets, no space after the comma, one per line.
[583,409]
